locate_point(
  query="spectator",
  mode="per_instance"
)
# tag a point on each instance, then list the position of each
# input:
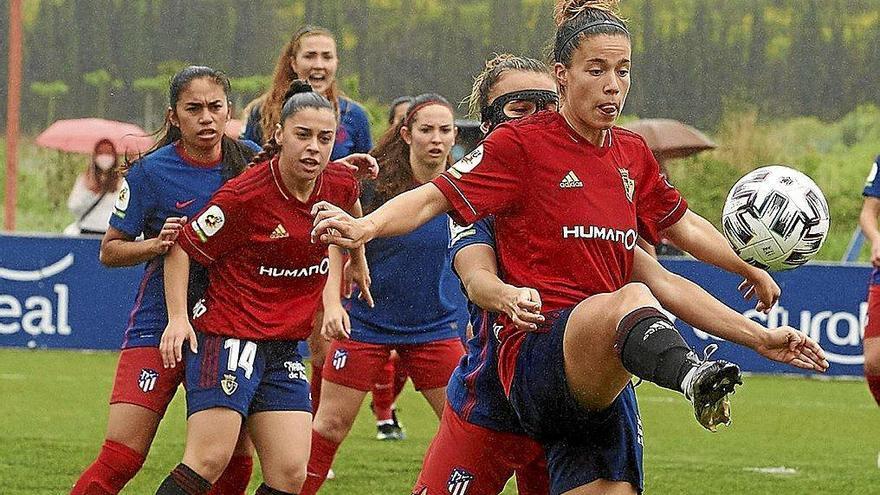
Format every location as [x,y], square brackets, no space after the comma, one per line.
[94,192]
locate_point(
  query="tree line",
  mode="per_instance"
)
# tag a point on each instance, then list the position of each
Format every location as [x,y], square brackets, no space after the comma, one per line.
[693,59]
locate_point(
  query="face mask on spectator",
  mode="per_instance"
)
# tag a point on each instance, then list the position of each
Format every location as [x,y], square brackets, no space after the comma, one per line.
[105,162]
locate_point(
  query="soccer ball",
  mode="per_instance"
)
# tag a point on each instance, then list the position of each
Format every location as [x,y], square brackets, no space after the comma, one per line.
[775,218]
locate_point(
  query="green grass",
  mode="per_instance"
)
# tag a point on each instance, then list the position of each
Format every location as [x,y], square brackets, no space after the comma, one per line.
[54,409]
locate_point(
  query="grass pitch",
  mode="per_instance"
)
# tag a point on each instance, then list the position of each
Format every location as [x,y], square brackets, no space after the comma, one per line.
[789,436]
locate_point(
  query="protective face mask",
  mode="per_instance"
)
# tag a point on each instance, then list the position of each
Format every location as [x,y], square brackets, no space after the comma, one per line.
[105,162]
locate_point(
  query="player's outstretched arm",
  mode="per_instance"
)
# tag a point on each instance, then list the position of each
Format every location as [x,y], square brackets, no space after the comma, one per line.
[700,238]
[700,309]
[335,324]
[477,267]
[400,215]
[179,329]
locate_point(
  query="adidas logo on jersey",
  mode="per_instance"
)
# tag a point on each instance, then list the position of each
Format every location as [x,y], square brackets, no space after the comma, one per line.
[570,181]
[279,233]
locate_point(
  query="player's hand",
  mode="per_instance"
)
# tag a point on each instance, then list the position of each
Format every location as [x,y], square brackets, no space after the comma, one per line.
[172,227]
[178,331]
[790,346]
[875,254]
[760,283]
[362,165]
[522,305]
[336,324]
[357,272]
[332,225]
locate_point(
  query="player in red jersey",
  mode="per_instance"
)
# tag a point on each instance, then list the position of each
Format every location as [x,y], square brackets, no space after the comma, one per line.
[266,282]
[192,159]
[419,308]
[571,193]
[480,444]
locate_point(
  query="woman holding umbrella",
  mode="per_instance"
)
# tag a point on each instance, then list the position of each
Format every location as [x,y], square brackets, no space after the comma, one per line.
[94,192]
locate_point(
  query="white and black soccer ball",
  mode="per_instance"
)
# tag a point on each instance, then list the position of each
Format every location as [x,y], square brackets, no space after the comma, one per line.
[775,218]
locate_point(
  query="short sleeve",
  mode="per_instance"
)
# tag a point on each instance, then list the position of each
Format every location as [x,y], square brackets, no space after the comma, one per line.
[487,180]
[658,203]
[362,141]
[480,232]
[252,130]
[872,185]
[216,229]
[133,202]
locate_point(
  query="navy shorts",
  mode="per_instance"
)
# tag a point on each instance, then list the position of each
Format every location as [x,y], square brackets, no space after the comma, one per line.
[581,446]
[245,376]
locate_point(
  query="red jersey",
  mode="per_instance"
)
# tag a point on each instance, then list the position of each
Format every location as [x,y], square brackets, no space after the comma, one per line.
[266,276]
[567,213]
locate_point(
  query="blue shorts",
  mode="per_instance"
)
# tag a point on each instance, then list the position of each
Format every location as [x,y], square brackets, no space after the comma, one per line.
[581,446]
[245,376]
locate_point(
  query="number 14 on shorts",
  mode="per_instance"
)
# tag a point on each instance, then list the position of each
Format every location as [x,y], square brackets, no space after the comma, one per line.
[241,357]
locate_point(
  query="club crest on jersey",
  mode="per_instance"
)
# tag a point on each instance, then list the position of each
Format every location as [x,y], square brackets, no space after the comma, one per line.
[459,481]
[279,233]
[147,379]
[209,223]
[467,162]
[629,185]
[228,384]
[122,200]
[296,370]
[340,357]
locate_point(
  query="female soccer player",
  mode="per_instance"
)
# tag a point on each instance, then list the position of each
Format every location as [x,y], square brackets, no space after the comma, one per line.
[571,193]
[419,310]
[311,55]
[868,221]
[480,443]
[176,179]
[266,282]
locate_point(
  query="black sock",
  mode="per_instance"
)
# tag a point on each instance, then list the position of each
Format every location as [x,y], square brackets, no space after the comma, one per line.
[652,349]
[265,489]
[184,481]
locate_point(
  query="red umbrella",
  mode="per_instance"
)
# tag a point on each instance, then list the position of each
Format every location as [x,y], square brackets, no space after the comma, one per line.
[80,136]
[669,138]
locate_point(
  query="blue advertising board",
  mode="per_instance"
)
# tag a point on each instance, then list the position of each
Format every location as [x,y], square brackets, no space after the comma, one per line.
[825,301]
[54,293]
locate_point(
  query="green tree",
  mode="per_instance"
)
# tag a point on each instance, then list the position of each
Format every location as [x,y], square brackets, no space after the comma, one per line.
[52,91]
[104,83]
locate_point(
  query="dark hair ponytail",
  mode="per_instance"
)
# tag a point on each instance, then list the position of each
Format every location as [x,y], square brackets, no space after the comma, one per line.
[299,96]
[577,19]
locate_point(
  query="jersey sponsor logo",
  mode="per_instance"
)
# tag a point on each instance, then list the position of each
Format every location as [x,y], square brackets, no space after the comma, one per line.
[459,481]
[321,268]
[228,384]
[467,163]
[209,223]
[295,370]
[147,379]
[872,175]
[279,233]
[629,185]
[570,181]
[122,200]
[458,232]
[626,237]
[183,204]
[199,308]
[340,358]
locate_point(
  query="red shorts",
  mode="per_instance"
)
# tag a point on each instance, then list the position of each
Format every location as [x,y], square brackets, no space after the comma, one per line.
[143,381]
[357,365]
[466,458]
[872,326]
